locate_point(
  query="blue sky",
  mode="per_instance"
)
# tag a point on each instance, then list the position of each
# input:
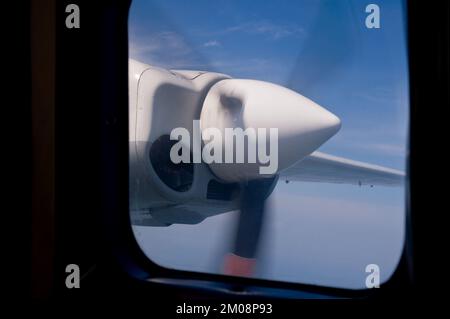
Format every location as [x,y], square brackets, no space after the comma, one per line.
[319,233]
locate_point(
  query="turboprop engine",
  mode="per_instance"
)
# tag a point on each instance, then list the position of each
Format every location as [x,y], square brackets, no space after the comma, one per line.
[202,136]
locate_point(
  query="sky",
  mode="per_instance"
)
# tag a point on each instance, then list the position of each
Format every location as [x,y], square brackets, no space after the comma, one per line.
[315,233]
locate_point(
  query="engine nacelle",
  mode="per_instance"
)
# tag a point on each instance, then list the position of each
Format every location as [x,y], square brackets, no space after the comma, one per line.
[165,191]
[162,192]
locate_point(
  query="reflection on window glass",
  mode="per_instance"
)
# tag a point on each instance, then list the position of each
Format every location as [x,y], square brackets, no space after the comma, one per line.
[335,203]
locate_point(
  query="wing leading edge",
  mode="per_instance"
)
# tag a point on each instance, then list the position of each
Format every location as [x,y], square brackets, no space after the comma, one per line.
[324,168]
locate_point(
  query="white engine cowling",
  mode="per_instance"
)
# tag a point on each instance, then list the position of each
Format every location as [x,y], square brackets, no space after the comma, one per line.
[160,100]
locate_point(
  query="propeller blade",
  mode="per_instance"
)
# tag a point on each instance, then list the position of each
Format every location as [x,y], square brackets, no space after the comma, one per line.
[254,194]
[331,43]
[162,43]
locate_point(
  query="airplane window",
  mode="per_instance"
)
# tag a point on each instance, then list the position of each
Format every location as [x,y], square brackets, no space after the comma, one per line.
[269,139]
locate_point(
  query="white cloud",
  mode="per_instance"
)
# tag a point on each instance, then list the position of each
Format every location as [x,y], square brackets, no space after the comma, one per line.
[165,49]
[269,29]
[274,31]
[212,43]
[157,42]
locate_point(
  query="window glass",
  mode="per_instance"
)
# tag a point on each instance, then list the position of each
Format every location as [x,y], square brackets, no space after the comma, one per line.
[349,57]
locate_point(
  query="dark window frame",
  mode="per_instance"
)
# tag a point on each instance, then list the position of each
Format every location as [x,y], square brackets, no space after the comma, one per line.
[103,81]
[236,285]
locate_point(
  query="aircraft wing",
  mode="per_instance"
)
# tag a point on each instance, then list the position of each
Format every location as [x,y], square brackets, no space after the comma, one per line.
[321,167]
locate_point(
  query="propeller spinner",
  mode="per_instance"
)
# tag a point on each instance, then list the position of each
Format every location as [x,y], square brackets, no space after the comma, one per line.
[302,126]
